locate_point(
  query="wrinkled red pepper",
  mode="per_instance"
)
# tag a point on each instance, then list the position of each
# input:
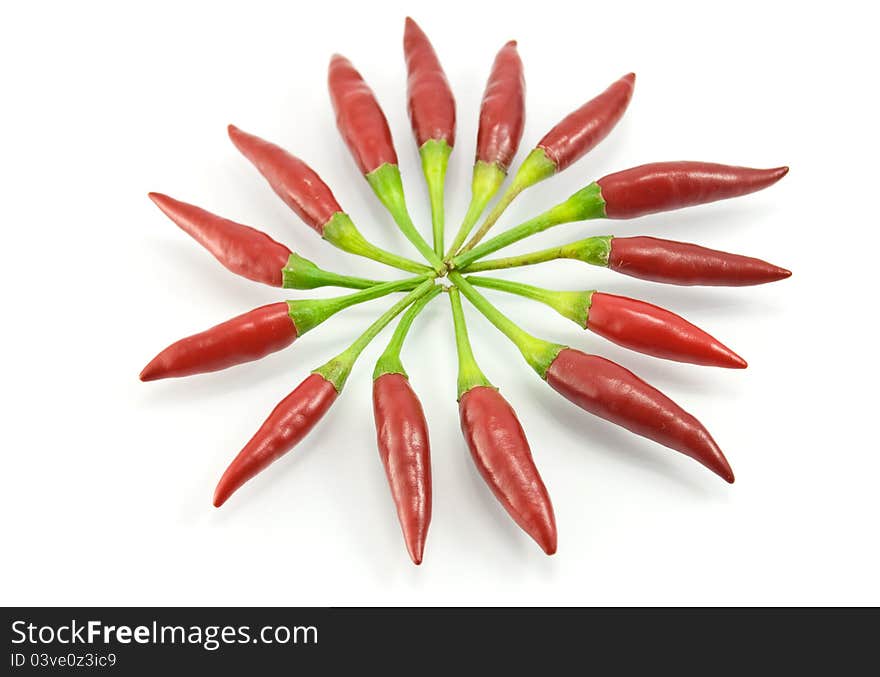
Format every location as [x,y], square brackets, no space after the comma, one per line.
[303,191]
[358,116]
[582,130]
[292,179]
[577,134]
[430,102]
[503,458]
[402,437]
[241,249]
[682,263]
[609,391]
[663,186]
[498,444]
[503,111]
[657,187]
[405,451]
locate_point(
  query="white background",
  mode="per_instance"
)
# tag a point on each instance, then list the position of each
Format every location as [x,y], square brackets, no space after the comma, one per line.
[107,481]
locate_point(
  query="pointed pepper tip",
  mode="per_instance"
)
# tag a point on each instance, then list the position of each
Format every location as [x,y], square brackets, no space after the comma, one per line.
[149,373]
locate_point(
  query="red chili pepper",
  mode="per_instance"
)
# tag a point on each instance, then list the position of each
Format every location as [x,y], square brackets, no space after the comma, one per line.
[358,116]
[582,130]
[303,191]
[402,436]
[630,323]
[501,452]
[241,249]
[498,444]
[430,102]
[298,413]
[650,258]
[245,338]
[503,111]
[662,186]
[292,179]
[609,391]
[288,423]
[655,331]
[405,450]
[257,333]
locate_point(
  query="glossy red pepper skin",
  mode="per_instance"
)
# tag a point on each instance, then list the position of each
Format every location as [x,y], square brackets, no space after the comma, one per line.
[245,338]
[503,111]
[609,391]
[241,249]
[663,186]
[501,452]
[292,179]
[582,130]
[430,101]
[682,263]
[652,330]
[289,422]
[405,450]
[359,117]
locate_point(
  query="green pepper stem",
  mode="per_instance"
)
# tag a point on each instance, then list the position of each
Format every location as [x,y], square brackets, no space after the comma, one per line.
[341,232]
[592,250]
[388,186]
[587,203]
[309,313]
[301,273]
[536,167]
[486,181]
[435,160]
[389,361]
[574,305]
[469,373]
[537,352]
[337,369]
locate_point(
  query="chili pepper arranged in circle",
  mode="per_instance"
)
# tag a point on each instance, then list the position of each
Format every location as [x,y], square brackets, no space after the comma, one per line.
[492,431]
[257,333]
[299,412]
[241,249]
[572,138]
[608,391]
[402,437]
[646,189]
[630,323]
[502,119]
[431,108]
[301,189]
[662,186]
[498,444]
[364,129]
[251,253]
[651,258]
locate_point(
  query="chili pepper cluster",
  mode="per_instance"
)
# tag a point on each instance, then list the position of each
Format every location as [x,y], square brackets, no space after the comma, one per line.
[492,432]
